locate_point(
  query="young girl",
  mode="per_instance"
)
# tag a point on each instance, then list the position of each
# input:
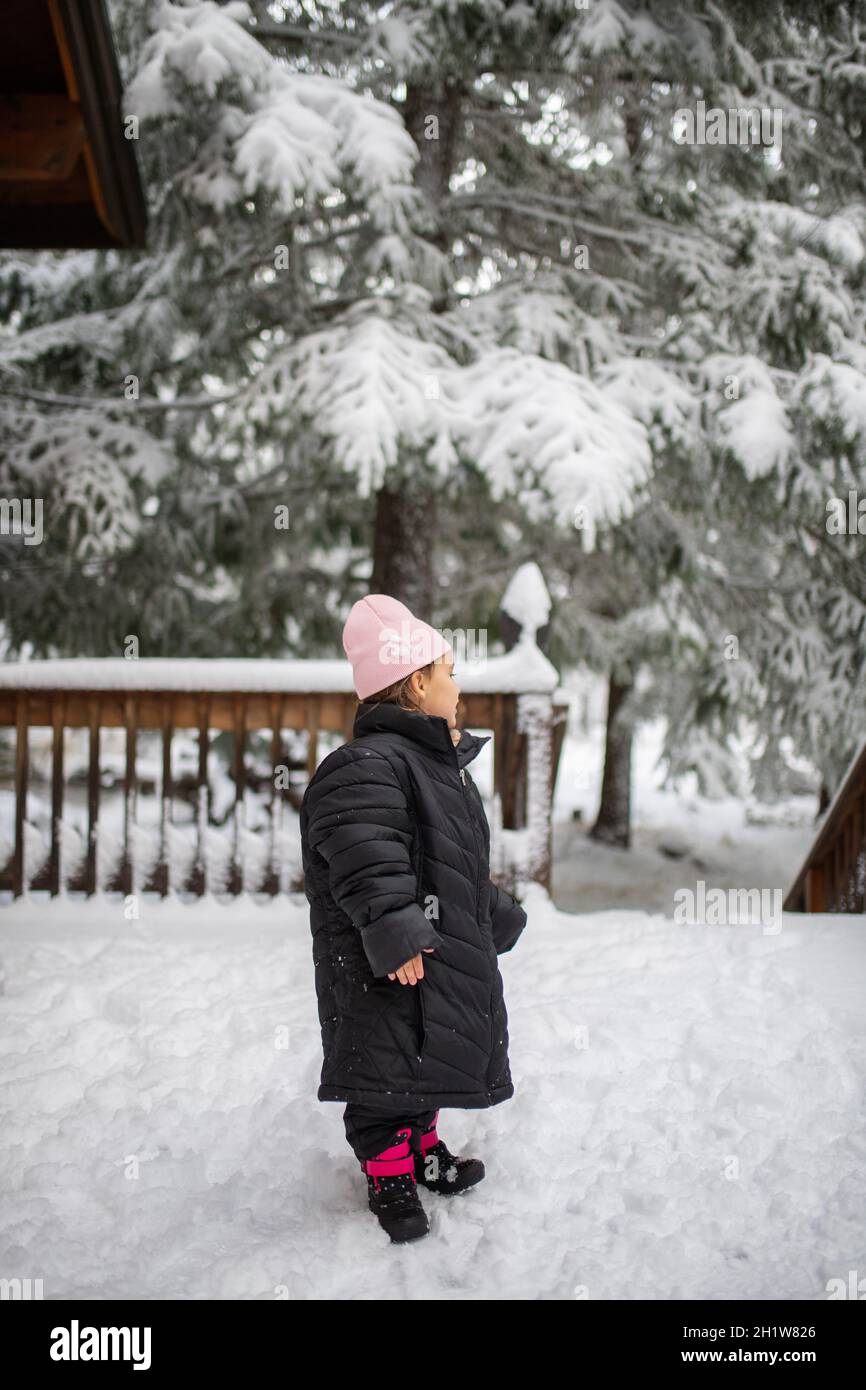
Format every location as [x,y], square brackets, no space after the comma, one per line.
[406,922]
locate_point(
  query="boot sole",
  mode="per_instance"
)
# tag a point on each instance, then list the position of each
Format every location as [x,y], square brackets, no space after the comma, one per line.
[405,1237]
[407,1230]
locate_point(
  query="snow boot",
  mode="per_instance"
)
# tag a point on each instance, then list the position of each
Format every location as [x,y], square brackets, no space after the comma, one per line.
[438,1169]
[391,1191]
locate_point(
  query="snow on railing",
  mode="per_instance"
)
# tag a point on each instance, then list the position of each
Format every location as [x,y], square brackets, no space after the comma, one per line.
[523,669]
[238,837]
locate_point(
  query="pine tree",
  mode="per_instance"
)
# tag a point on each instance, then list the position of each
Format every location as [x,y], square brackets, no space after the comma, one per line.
[406,259]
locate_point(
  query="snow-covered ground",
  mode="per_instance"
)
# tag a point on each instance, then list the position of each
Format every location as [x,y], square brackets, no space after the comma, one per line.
[728,842]
[688,1119]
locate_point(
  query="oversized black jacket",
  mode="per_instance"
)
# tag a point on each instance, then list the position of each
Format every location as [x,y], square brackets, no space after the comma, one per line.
[396,850]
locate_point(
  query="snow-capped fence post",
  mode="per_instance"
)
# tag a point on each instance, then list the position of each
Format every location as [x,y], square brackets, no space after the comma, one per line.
[529,726]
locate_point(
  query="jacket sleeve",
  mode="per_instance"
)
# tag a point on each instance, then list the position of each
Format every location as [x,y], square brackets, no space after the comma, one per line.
[507,916]
[361,825]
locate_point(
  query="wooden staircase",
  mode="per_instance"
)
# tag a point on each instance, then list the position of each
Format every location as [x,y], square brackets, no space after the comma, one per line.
[833,877]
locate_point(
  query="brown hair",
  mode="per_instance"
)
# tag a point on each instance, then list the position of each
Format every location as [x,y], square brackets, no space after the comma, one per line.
[399,693]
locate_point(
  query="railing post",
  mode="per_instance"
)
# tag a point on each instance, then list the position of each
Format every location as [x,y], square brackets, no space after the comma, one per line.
[271,883]
[166,796]
[58,711]
[19,865]
[313,716]
[527,741]
[127,884]
[236,877]
[90,883]
[198,877]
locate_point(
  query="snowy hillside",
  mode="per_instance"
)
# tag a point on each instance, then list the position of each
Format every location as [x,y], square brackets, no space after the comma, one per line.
[688,1119]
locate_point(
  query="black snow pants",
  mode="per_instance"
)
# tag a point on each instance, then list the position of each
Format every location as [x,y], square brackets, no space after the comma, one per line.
[369,1132]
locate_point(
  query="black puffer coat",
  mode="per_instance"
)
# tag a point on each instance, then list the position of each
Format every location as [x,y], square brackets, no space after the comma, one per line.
[392,829]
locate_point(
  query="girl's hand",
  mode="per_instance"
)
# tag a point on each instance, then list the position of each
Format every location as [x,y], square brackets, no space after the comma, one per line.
[412,970]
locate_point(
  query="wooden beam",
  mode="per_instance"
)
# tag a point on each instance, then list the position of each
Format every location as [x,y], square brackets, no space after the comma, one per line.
[312,723]
[349,710]
[820,852]
[42,137]
[235,884]
[198,877]
[58,732]
[22,765]
[93,787]
[165,802]
[496,724]
[130,788]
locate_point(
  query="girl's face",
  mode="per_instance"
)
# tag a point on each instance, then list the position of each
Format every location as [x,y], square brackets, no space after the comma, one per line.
[438,694]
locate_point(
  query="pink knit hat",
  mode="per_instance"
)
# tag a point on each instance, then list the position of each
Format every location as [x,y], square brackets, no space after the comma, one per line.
[385,642]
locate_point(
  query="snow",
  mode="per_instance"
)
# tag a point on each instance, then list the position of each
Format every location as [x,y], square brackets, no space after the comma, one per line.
[835,391]
[687,1121]
[540,318]
[524,668]
[178,673]
[533,720]
[755,423]
[729,841]
[381,381]
[305,136]
[372,387]
[655,396]
[537,427]
[838,236]
[688,1110]
[90,489]
[527,600]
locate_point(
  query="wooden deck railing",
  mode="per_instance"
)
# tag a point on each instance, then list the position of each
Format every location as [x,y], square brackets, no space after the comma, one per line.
[239,697]
[832,877]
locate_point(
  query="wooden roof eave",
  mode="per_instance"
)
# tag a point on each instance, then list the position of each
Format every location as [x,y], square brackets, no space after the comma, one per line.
[68,176]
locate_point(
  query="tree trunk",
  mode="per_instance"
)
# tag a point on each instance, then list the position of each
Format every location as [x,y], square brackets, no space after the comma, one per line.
[433,118]
[613,825]
[404,546]
[406,510]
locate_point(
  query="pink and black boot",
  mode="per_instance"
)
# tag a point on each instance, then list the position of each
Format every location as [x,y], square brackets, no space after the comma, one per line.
[392,1193]
[439,1170]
